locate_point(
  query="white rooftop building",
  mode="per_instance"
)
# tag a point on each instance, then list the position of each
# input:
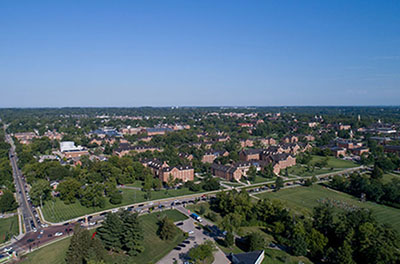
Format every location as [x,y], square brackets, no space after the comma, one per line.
[69,146]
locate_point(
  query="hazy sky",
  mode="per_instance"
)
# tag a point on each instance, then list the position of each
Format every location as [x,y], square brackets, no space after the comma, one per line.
[162,53]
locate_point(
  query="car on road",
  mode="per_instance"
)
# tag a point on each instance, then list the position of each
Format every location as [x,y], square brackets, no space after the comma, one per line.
[7,249]
[58,234]
[39,237]
[41,232]
[66,224]
[49,235]
[30,240]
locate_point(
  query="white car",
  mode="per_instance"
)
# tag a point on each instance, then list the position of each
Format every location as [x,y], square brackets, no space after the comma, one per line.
[7,249]
[41,232]
[191,232]
[92,223]
[58,234]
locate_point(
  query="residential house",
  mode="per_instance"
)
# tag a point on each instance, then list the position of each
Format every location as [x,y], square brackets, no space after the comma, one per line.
[290,139]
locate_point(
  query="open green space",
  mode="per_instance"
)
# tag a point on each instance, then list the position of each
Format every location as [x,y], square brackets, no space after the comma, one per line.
[304,199]
[271,255]
[279,256]
[52,254]
[304,171]
[57,211]
[233,184]
[335,162]
[260,179]
[155,248]
[138,184]
[387,177]
[8,228]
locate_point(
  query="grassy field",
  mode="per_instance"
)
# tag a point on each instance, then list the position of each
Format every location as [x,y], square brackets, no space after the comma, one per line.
[271,255]
[51,254]
[58,211]
[8,228]
[303,199]
[387,177]
[335,162]
[278,256]
[155,248]
[302,171]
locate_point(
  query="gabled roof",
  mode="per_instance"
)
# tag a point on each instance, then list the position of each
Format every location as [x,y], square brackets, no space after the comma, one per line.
[247,258]
[252,151]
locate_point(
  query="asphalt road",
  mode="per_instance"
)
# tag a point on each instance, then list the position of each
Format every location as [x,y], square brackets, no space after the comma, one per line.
[26,208]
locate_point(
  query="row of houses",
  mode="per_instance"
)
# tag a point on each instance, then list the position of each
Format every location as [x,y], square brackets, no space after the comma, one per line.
[126,148]
[342,147]
[236,171]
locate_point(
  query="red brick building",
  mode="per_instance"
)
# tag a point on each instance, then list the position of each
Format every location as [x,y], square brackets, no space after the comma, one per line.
[165,173]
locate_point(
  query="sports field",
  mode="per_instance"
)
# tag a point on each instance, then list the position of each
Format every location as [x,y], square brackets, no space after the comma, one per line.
[303,199]
[8,228]
[57,211]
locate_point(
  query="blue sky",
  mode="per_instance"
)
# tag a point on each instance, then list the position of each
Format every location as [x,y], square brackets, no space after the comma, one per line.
[163,53]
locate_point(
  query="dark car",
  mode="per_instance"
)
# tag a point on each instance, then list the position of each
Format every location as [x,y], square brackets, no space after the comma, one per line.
[179,224]
[66,224]
[140,205]
[186,242]
[49,235]
[182,245]
[177,248]
[30,240]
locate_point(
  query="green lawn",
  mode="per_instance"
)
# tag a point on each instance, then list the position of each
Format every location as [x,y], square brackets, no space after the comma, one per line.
[155,248]
[51,254]
[335,162]
[271,255]
[387,177]
[303,199]
[8,228]
[302,171]
[233,184]
[278,256]
[260,179]
[138,184]
[58,211]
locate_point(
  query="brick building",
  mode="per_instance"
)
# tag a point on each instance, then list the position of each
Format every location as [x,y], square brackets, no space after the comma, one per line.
[165,173]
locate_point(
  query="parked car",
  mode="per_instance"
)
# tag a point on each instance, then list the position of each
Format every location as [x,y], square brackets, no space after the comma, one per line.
[58,234]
